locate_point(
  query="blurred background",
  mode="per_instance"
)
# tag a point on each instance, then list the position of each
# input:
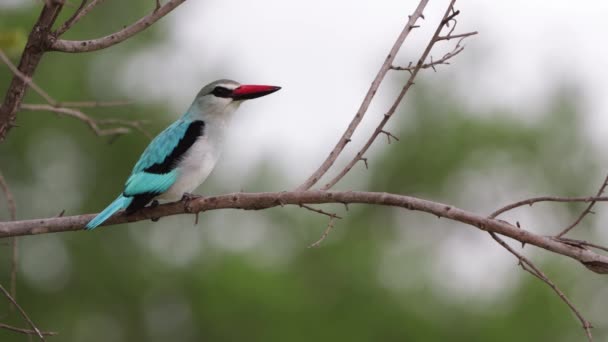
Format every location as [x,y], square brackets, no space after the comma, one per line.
[521,112]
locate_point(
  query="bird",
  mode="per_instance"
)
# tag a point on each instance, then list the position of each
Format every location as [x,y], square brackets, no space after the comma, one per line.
[181,157]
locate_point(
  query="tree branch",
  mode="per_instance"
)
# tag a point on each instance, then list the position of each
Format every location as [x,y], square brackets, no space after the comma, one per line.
[12,210]
[92,123]
[26,331]
[533,200]
[585,212]
[346,136]
[78,14]
[529,266]
[256,201]
[27,318]
[74,46]
[34,48]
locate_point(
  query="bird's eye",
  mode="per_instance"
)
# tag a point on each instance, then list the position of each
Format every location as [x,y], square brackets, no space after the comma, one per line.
[222,92]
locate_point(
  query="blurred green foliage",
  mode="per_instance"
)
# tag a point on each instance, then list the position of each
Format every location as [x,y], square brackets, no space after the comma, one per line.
[133,284]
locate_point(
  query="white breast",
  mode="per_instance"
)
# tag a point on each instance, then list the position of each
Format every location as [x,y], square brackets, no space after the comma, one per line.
[194,168]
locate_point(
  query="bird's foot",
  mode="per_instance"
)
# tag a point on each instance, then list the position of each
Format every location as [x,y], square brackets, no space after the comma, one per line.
[189,197]
[154,204]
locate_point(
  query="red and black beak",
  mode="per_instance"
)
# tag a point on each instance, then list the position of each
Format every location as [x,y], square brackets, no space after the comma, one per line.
[250,91]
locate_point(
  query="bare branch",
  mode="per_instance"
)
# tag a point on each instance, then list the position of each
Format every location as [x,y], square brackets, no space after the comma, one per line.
[93,104]
[582,243]
[255,201]
[346,136]
[330,226]
[94,125]
[10,199]
[380,128]
[533,200]
[78,14]
[12,210]
[454,36]
[443,60]
[27,318]
[74,46]
[26,79]
[529,266]
[320,211]
[34,49]
[586,211]
[26,331]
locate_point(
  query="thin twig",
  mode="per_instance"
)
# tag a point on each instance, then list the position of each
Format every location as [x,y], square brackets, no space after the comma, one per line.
[586,211]
[93,104]
[582,243]
[529,266]
[533,200]
[443,60]
[79,14]
[23,313]
[61,108]
[330,226]
[12,210]
[455,36]
[27,80]
[26,331]
[137,125]
[92,123]
[320,211]
[346,136]
[74,46]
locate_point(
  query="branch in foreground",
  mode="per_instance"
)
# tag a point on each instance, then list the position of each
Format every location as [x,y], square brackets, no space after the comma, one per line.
[256,201]
[74,46]
[346,137]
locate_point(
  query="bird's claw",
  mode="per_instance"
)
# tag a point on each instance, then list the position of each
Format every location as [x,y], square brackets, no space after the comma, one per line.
[154,204]
[188,197]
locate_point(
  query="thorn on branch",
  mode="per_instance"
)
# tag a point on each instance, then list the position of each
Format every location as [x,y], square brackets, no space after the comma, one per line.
[319,211]
[364,160]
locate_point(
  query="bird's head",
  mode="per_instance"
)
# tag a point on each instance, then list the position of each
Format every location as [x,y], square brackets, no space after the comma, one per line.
[222,97]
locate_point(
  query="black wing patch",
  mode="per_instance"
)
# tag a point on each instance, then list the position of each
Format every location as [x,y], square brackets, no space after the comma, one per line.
[195,130]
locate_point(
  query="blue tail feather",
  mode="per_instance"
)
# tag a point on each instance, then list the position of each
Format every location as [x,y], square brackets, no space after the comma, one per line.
[120,203]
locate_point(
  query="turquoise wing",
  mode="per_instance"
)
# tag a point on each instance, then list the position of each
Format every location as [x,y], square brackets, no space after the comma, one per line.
[162,146]
[149,183]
